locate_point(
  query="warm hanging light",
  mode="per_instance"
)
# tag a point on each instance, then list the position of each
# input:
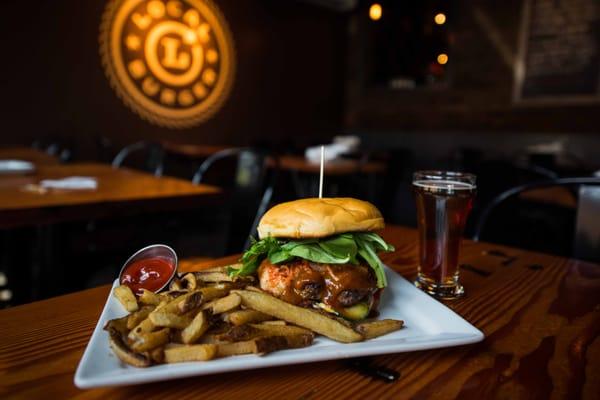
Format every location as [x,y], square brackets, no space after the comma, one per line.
[375,11]
[442,58]
[440,18]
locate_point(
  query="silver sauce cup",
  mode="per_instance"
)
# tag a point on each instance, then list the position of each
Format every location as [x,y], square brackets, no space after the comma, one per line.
[153,251]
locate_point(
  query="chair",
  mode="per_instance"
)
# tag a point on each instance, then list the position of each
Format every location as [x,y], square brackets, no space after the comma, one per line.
[153,161]
[55,146]
[587,224]
[250,187]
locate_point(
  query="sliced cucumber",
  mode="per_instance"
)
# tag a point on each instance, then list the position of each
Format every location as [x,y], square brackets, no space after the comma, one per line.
[356,312]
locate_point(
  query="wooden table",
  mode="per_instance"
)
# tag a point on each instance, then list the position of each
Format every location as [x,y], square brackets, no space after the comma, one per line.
[557,196]
[540,315]
[304,174]
[120,192]
[334,167]
[34,156]
[192,150]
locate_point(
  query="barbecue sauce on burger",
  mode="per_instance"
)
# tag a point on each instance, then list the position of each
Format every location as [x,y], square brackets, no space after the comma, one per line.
[303,282]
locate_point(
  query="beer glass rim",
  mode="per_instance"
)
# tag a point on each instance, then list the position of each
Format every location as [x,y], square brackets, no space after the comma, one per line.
[465,177]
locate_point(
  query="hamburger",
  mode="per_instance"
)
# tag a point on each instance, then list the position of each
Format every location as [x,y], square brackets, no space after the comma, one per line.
[320,253]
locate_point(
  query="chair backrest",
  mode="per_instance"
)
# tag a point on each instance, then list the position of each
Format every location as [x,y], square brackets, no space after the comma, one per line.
[55,146]
[251,188]
[584,227]
[153,160]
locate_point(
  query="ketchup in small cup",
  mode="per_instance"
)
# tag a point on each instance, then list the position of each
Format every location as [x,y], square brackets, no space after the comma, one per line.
[151,268]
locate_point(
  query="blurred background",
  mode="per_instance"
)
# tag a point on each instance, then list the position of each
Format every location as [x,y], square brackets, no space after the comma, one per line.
[506,90]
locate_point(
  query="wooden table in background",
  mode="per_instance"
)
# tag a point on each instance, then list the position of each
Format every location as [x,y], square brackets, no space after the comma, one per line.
[305,173]
[120,192]
[192,150]
[334,167]
[540,315]
[34,156]
[557,196]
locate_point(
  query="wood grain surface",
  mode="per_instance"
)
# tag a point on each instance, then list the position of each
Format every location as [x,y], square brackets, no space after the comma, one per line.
[120,191]
[540,315]
[34,156]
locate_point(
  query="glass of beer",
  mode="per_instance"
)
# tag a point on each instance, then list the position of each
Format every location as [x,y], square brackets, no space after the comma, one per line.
[444,200]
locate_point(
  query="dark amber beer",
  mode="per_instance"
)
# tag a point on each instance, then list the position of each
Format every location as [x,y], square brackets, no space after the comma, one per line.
[444,200]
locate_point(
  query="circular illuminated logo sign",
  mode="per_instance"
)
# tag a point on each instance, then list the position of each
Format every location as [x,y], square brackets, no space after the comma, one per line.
[171,61]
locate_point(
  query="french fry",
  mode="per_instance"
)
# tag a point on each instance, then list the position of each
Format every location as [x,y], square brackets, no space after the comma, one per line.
[189,281]
[196,352]
[280,330]
[171,295]
[275,322]
[215,276]
[150,340]
[126,298]
[148,297]
[124,354]
[143,327]
[170,320]
[118,324]
[157,355]
[212,292]
[191,333]
[252,331]
[175,284]
[299,316]
[263,345]
[147,325]
[209,338]
[190,302]
[374,329]
[182,304]
[223,304]
[135,318]
[241,317]
[238,334]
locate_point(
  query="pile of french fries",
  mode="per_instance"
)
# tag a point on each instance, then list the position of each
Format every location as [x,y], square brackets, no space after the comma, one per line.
[206,315]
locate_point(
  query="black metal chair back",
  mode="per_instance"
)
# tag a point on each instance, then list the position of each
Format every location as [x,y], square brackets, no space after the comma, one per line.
[584,236]
[154,155]
[250,184]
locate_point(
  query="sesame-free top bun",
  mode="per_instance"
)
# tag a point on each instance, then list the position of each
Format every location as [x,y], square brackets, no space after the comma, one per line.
[316,218]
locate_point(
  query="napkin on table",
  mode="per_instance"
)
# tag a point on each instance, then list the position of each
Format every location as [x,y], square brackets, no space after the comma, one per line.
[70,183]
[341,145]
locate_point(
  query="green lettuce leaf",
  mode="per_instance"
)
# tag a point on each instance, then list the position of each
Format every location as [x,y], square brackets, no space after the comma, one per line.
[314,252]
[339,249]
[252,258]
[367,250]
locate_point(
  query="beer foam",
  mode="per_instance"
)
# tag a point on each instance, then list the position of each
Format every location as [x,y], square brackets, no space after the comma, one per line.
[437,184]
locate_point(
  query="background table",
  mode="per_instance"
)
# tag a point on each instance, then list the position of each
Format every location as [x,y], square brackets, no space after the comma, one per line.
[540,315]
[305,174]
[35,156]
[120,192]
[338,167]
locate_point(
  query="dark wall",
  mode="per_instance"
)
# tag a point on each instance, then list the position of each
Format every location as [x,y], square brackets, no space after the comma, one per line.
[484,42]
[288,81]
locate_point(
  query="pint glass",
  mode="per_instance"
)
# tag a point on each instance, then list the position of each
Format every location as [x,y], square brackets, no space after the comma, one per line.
[444,200]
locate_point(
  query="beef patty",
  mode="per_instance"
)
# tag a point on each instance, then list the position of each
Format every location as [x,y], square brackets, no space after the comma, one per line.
[304,282]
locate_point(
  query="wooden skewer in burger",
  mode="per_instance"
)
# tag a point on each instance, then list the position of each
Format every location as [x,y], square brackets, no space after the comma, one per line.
[322,253]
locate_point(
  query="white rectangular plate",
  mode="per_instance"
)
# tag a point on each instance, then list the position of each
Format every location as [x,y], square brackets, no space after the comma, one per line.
[428,325]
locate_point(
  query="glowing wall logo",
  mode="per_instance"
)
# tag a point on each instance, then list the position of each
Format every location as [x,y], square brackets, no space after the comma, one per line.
[171,61]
